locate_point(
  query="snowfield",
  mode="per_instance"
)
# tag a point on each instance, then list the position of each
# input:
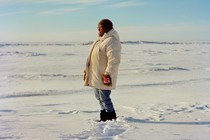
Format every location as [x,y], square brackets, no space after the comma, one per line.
[162,93]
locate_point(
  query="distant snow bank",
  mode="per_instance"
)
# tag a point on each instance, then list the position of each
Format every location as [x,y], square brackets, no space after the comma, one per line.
[3,44]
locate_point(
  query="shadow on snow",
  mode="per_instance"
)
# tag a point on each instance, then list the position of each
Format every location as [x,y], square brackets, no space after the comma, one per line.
[131,119]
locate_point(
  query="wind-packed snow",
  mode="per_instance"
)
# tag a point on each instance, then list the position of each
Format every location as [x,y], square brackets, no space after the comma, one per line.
[163,93]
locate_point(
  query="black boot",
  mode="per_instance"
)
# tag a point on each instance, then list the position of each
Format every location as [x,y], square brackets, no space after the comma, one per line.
[111,115]
[103,116]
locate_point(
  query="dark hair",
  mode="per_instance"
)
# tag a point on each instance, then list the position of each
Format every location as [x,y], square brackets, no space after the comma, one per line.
[107,24]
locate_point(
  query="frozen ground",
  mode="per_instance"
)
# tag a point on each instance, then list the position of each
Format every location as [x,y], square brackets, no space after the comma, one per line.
[162,94]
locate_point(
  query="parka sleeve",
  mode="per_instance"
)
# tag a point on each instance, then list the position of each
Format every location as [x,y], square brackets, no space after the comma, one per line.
[113,52]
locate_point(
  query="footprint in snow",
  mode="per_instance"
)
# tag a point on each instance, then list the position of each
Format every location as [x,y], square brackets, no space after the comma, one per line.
[102,130]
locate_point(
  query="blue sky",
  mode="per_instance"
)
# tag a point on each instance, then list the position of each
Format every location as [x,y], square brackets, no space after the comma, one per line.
[76,20]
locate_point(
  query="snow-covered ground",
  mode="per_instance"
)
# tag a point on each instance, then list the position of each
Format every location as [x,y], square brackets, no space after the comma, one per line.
[163,93]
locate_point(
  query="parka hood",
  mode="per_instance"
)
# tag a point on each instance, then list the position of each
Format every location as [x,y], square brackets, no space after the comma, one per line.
[111,33]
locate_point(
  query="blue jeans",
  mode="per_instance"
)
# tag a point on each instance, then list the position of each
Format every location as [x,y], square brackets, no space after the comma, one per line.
[104,99]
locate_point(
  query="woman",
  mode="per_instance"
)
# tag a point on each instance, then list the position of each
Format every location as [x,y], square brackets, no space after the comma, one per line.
[102,67]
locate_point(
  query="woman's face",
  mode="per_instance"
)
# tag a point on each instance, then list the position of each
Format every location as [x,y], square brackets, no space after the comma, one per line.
[101,30]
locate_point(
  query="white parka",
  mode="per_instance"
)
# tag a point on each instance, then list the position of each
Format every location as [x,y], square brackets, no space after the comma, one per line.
[104,57]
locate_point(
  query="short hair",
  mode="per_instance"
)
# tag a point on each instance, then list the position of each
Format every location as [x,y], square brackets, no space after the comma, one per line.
[106,23]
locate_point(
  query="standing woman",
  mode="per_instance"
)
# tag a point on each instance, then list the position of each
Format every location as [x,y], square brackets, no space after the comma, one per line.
[102,67]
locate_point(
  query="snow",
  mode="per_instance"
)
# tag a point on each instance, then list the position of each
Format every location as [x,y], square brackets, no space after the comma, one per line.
[162,93]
